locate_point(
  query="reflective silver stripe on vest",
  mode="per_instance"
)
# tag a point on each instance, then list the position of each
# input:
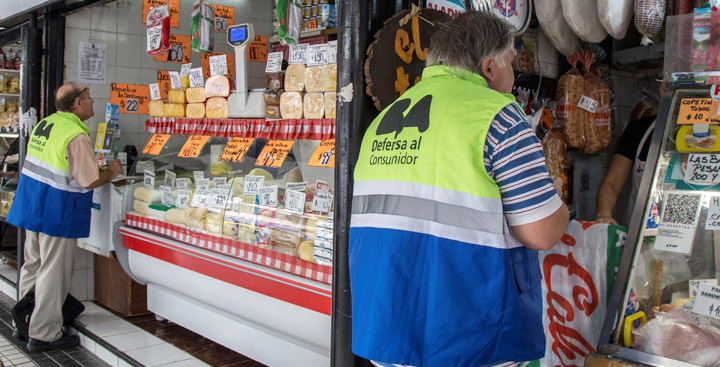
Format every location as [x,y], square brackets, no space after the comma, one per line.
[429,210]
[43,172]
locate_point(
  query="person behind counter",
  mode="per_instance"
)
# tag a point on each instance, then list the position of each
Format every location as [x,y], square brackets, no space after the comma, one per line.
[443,267]
[52,203]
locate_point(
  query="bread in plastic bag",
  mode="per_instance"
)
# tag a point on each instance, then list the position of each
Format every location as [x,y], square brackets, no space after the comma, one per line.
[555,150]
[582,17]
[202,36]
[598,127]
[549,13]
[568,117]
[291,105]
[615,16]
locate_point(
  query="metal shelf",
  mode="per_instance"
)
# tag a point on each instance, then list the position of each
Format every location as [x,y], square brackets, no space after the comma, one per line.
[9,135]
[11,71]
[9,95]
[310,33]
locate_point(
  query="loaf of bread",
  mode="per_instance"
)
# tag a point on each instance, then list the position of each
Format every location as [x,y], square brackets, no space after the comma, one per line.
[272,97]
[330,103]
[598,130]
[314,79]
[272,111]
[275,81]
[568,116]
[291,105]
[314,105]
[295,78]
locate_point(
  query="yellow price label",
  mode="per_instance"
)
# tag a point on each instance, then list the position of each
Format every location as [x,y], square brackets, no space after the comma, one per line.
[274,153]
[698,111]
[193,146]
[324,155]
[235,149]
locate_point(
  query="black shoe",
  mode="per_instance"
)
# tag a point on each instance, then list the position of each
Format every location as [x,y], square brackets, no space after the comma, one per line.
[16,334]
[65,341]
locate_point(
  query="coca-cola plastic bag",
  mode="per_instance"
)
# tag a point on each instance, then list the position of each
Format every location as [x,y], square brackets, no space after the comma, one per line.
[568,117]
[595,104]
[158,30]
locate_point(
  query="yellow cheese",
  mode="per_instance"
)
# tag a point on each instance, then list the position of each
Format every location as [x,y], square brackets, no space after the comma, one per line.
[330,105]
[306,251]
[216,108]
[195,95]
[141,207]
[184,82]
[156,108]
[174,110]
[195,110]
[176,96]
[261,172]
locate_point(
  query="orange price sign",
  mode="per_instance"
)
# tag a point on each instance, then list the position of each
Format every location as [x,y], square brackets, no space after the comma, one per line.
[698,111]
[312,24]
[156,143]
[324,155]
[193,146]
[132,98]
[235,149]
[179,50]
[258,49]
[274,153]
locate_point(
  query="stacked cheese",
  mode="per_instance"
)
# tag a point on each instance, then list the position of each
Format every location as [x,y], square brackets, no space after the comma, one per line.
[144,197]
[309,93]
[198,102]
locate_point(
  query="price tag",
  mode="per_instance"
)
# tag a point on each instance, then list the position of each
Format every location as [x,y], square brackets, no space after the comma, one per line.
[174,80]
[317,55]
[698,111]
[324,155]
[131,105]
[154,91]
[182,198]
[182,183]
[322,202]
[201,199]
[166,195]
[296,186]
[312,24]
[235,149]
[253,184]
[332,52]
[268,196]
[217,181]
[169,178]
[226,187]
[588,104]
[274,62]
[196,78]
[154,36]
[274,153]
[295,201]
[703,169]
[221,24]
[219,198]
[149,179]
[707,302]
[156,143]
[218,65]
[203,184]
[198,175]
[298,54]
[2,101]
[193,146]
[184,69]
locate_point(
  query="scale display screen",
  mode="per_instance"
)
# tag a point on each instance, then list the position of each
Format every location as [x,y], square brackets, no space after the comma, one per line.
[238,35]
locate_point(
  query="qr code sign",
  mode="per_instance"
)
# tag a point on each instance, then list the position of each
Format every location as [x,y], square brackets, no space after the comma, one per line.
[681,208]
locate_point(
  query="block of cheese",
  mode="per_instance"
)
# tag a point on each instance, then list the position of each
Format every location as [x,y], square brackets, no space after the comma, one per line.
[156,108]
[184,82]
[314,81]
[272,111]
[261,172]
[141,207]
[314,105]
[306,251]
[295,78]
[195,110]
[217,86]
[158,211]
[147,195]
[272,97]
[195,217]
[175,215]
[195,95]
[330,76]
[216,108]
[214,222]
[291,105]
[176,96]
[174,110]
[330,104]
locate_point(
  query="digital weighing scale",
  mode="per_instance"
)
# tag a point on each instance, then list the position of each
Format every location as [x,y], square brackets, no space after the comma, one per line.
[243,103]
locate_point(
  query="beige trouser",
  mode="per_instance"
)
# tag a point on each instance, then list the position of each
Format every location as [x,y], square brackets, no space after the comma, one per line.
[48,267]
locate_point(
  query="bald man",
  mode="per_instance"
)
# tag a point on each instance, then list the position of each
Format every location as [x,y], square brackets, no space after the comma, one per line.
[53,203]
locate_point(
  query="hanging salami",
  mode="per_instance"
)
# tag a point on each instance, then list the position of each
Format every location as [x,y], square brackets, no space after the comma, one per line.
[549,14]
[649,18]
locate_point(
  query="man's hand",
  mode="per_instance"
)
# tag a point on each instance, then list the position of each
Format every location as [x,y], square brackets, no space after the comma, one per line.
[114,168]
[608,220]
[107,174]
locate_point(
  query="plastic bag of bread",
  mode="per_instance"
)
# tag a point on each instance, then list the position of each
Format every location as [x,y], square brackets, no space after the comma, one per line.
[291,105]
[275,81]
[272,111]
[555,150]
[598,129]
[13,85]
[272,97]
[314,105]
[295,78]
[314,79]
[569,118]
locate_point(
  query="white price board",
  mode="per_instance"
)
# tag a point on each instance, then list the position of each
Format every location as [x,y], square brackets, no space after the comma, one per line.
[332,52]
[703,169]
[712,222]
[274,62]
[154,91]
[184,69]
[183,198]
[317,55]
[588,104]
[219,198]
[169,178]
[253,184]
[201,199]
[707,302]
[295,201]
[218,65]
[203,184]
[322,202]
[154,36]
[149,179]
[166,195]
[678,222]
[226,187]
[174,80]
[198,175]
[296,186]
[196,77]
[268,196]
[298,54]
[217,181]
[694,285]
[182,183]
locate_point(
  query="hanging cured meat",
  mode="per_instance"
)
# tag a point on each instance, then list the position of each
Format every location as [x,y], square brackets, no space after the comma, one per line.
[649,17]
[615,16]
[582,17]
[549,13]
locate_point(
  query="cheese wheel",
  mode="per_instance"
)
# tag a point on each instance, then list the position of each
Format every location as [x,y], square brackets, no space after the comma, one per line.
[174,110]
[217,86]
[291,105]
[261,172]
[176,96]
[295,78]
[272,97]
[175,215]
[156,108]
[330,104]
[195,95]
[141,207]
[216,108]
[214,222]
[314,80]
[330,77]
[272,111]
[195,110]
[195,217]
[314,105]
[306,251]
[147,195]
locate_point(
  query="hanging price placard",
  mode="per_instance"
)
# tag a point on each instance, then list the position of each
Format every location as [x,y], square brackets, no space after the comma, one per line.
[132,98]
[253,184]
[154,91]
[193,146]
[268,196]
[182,198]
[174,80]
[166,197]
[324,155]
[179,50]
[295,201]
[218,65]
[169,178]
[196,77]
[317,55]
[332,52]
[218,198]
[149,179]
[235,149]
[156,143]
[274,153]
[201,199]
[224,17]
[274,62]
[298,54]
[322,202]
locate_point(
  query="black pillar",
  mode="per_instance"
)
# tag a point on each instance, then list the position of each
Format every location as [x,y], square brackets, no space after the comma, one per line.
[54,25]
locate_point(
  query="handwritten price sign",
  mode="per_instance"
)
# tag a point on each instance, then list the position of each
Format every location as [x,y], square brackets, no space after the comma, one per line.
[179,50]
[154,91]
[235,149]
[322,202]
[193,146]
[295,201]
[588,104]
[298,54]
[218,65]
[698,111]
[253,184]
[274,153]
[132,98]
[205,63]
[274,62]
[268,196]
[200,199]
[317,55]
[324,155]
[224,17]
[156,143]
[196,78]
[149,179]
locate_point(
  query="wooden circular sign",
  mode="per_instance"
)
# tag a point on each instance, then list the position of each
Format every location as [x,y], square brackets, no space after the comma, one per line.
[396,58]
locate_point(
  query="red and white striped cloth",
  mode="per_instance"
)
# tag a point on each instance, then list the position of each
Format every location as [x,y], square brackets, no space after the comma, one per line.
[303,129]
[270,258]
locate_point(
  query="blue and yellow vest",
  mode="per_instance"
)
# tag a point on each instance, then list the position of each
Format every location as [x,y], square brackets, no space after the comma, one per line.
[48,199]
[437,279]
